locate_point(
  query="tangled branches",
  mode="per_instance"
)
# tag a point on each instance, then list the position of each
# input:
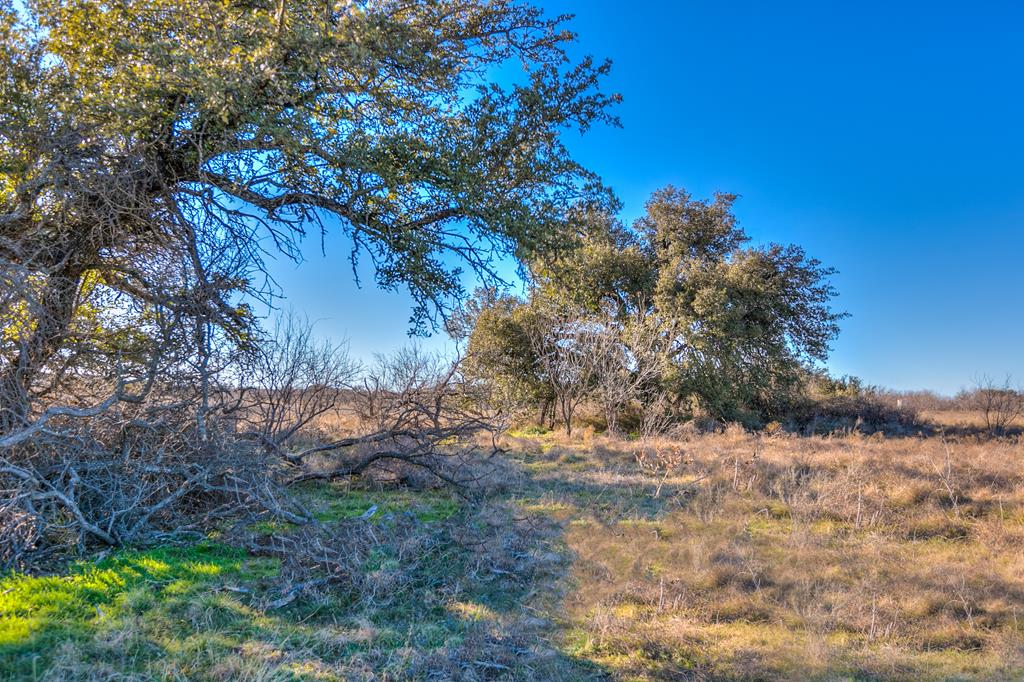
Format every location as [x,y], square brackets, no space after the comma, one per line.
[416,411]
[125,473]
[142,186]
[230,437]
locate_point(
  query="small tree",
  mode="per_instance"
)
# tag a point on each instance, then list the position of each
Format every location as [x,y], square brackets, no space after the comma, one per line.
[292,379]
[1000,404]
[498,330]
[566,347]
[613,387]
[628,362]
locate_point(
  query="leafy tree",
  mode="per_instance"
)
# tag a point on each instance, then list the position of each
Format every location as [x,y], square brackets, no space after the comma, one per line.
[498,330]
[738,325]
[747,319]
[160,148]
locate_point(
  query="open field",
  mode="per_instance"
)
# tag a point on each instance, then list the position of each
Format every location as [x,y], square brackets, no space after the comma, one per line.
[772,558]
[723,556]
[965,418]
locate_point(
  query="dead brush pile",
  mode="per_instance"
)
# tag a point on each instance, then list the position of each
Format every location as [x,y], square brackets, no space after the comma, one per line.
[150,459]
[127,475]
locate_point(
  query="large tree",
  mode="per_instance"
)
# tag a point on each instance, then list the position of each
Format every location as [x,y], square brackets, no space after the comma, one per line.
[152,152]
[739,325]
[748,320]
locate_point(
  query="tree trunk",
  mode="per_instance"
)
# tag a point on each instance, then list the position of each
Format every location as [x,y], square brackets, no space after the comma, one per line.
[611,417]
[56,305]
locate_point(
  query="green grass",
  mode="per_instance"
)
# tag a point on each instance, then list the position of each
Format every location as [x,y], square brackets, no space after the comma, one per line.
[199,612]
[40,615]
[330,503]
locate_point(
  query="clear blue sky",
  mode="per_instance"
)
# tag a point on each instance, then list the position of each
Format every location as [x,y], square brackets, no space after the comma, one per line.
[885,138]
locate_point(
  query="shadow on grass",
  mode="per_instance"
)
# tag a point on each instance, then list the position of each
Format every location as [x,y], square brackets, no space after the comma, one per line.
[453,611]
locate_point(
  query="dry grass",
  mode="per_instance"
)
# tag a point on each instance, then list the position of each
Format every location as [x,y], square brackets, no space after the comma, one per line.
[972,419]
[725,556]
[783,558]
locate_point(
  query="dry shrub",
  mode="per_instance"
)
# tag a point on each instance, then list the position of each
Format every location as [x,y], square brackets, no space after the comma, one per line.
[865,413]
[121,479]
[1000,404]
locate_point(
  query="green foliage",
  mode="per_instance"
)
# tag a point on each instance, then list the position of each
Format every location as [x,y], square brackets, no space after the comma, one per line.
[821,385]
[499,348]
[681,231]
[380,115]
[607,264]
[530,430]
[739,325]
[748,318]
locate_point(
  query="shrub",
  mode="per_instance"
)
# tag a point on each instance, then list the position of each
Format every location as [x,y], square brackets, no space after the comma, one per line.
[846,404]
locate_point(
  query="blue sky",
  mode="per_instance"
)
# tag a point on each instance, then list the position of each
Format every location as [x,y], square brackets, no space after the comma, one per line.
[887,139]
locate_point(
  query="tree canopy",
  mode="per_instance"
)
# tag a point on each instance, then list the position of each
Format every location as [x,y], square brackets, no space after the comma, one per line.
[739,325]
[159,149]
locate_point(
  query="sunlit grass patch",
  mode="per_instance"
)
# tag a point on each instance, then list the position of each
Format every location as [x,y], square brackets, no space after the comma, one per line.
[633,652]
[769,527]
[551,509]
[473,611]
[530,430]
[204,612]
[39,614]
[538,466]
[336,502]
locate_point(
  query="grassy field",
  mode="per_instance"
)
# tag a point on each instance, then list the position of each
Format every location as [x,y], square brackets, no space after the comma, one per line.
[728,556]
[784,558]
[968,420]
